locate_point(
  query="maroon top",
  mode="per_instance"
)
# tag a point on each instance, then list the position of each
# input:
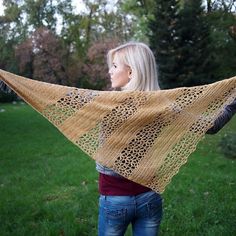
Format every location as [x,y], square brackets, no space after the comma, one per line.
[119,186]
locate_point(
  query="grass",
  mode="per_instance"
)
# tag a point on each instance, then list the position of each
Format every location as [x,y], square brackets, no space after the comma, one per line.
[49,187]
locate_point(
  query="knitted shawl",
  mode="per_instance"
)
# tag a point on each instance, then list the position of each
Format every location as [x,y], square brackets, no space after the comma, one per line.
[144,136]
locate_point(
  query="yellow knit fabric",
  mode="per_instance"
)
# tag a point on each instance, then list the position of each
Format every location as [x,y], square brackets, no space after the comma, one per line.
[144,136]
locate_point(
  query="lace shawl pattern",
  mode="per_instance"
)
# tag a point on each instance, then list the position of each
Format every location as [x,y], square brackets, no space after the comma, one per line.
[144,136]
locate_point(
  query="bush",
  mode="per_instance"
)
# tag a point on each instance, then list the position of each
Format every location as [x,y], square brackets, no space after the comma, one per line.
[7,97]
[228,145]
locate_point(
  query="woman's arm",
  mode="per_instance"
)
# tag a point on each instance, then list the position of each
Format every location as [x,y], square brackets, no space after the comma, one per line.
[4,88]
[225,117]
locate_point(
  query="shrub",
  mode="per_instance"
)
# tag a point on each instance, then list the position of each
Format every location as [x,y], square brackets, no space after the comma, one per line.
[228,145]
[7,97]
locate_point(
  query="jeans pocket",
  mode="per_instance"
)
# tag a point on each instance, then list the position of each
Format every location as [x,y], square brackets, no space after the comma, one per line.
[155,208]
[115,215]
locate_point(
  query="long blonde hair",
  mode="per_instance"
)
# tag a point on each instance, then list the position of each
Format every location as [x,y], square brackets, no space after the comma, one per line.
[139,57]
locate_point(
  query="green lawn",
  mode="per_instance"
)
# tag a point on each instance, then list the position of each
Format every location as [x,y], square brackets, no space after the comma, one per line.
[49,187]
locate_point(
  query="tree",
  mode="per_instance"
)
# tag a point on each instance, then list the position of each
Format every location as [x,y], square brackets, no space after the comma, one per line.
[41,13]
[223,5]
[41,57]
[12,31]
[164,39]
[95,70]
[196,59]
[138,12]
[223,38]
[181,42]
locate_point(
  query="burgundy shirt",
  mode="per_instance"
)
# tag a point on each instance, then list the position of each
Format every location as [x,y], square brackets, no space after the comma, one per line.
[119,186]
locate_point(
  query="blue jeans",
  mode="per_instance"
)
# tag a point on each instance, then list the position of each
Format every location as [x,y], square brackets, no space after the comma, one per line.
[143,211]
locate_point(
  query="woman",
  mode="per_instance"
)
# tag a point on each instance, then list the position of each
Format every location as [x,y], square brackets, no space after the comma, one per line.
[122,202]
[132,67]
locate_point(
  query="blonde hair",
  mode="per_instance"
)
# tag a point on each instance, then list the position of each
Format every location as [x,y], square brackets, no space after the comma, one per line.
[139,57]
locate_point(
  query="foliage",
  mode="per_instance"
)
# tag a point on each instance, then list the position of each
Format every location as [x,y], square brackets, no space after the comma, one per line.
[95,67]
[225,5]
[42,57]
[228,145]
[11,31]
[44,52]
[180,38]
[140,12]
[41,13]
[223,38]
[196,59]
[192,45]
[7,97]
[164,40]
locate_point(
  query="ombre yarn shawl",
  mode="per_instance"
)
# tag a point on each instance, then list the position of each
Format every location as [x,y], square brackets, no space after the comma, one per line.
[144,136]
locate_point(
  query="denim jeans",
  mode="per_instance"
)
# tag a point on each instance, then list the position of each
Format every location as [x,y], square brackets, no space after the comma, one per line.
[143,211]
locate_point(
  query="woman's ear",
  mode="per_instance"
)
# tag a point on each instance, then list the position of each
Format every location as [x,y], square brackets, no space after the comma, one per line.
[130,73]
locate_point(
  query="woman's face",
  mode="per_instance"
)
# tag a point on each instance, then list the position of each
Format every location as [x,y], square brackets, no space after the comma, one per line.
[119,72]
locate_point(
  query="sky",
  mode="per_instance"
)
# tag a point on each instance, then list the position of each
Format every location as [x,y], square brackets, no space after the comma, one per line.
[1,8]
